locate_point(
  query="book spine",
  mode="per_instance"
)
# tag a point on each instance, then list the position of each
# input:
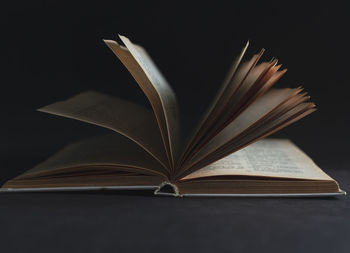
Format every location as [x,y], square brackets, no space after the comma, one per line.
[167,189]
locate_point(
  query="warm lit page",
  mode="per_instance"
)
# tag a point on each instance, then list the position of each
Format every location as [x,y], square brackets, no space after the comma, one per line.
[269,157]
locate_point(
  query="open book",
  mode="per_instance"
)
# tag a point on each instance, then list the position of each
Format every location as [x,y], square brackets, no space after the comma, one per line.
[148,150]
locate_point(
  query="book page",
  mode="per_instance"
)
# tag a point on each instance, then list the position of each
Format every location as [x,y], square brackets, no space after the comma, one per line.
[221,95]
[267,158]
[250,116]
[283,116]
[111,151]
[155,87]
[126,118]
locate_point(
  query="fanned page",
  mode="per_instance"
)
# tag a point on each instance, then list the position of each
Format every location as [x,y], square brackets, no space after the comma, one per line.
[205,122]
[111,160]
[113,149]
[257,111]
[244,85]
[114,113]
[254,134]
[243,113]
[156,88]
[234,80]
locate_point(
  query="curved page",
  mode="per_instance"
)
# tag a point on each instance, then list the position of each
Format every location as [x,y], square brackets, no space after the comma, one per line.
[109,151]
[156,88]
[204,124]
[250,116]
[126,118]
[270,127]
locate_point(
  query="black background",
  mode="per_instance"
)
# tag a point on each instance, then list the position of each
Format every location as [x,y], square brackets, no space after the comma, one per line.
[51,50]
